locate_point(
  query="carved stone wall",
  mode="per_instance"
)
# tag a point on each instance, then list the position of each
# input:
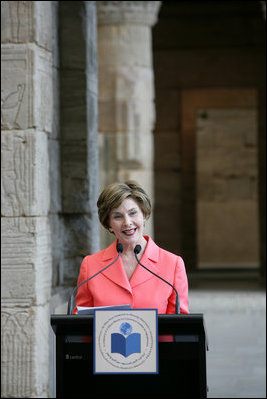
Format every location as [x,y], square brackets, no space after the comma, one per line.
[26,122]
[49,178]
[25,295]
[126,94]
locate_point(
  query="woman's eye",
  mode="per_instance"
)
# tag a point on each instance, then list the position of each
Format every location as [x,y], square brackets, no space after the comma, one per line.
[117,217]
[133,213]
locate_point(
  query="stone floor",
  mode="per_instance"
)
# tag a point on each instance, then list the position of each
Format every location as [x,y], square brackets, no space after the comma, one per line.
[235,322]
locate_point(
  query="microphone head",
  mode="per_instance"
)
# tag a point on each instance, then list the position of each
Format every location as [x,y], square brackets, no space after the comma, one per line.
[119,247]
[137,249]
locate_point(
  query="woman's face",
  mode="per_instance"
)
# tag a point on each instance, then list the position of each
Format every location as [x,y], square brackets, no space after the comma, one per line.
[127,222]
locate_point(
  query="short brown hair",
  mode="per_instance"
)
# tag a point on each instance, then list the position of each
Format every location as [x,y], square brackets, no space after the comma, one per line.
[114,194]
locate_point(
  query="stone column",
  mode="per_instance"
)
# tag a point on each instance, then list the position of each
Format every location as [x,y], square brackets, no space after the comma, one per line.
[79,134]
[26,122]
[126,93]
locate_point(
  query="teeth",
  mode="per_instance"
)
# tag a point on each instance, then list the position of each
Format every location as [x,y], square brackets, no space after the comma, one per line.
[129,231]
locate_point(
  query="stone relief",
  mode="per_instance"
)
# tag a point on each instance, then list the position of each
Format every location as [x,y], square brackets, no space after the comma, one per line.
[10,107]
[16,344]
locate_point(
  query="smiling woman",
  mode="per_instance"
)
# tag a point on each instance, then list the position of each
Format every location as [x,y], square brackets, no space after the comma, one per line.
[114,194]
[123,209]
[127,223]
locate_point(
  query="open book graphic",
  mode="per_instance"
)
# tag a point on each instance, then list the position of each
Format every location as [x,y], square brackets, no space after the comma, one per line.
[88,310]
[125,345]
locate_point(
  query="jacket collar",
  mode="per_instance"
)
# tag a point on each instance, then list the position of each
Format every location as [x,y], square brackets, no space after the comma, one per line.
[116,272]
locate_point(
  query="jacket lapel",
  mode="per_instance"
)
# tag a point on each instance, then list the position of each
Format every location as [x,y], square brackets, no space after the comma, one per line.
[116,272]
[150,260]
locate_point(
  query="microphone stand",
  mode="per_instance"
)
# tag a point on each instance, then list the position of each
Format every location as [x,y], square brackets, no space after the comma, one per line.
[70,302]
[177,302]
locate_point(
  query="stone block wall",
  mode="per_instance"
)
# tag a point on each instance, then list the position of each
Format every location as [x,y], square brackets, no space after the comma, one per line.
[26,122]
[227,187]
[194,52]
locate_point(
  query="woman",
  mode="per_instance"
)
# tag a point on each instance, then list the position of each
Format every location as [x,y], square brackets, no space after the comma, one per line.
[123,209]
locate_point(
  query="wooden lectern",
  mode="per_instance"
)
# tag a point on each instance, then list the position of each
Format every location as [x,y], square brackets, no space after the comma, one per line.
[182,362]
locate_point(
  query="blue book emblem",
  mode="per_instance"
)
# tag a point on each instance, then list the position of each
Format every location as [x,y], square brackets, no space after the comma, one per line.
[125,343]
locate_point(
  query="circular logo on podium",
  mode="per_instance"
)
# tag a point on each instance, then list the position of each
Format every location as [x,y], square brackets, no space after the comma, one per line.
[126,341]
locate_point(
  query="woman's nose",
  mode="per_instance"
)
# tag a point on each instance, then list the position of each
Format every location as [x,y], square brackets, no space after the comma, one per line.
[127,220]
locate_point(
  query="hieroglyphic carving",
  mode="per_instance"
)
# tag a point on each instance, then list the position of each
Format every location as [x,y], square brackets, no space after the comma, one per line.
[17,21]
[15,88]
[25,261]
[10,106]
[24,188]
[26,88]
[16,352]
[27,22]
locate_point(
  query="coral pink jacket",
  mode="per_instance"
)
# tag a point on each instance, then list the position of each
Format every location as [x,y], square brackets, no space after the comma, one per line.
[144,290]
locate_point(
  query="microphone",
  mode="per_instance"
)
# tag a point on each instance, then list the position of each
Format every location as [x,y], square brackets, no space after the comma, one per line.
[119,248]
[137,249]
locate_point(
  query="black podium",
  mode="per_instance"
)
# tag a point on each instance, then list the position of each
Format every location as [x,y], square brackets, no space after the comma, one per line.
[182,362]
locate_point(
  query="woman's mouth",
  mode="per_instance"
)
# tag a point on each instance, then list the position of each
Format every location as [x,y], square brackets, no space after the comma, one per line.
[129,232]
